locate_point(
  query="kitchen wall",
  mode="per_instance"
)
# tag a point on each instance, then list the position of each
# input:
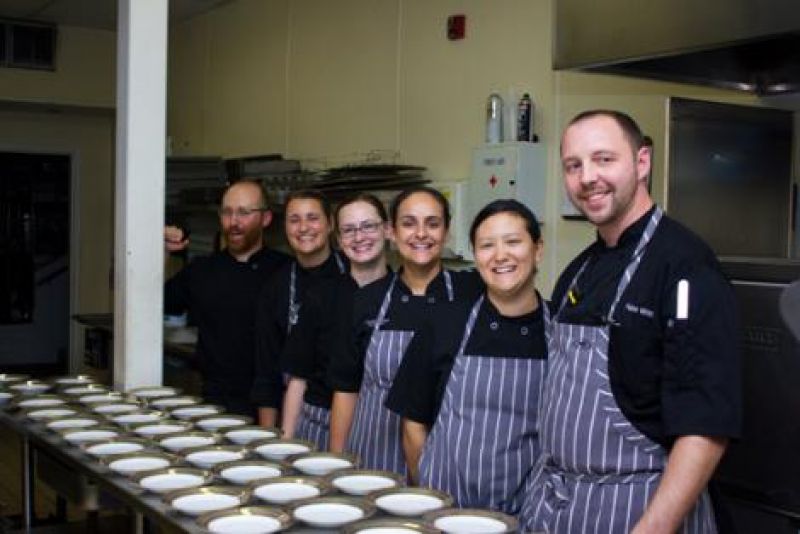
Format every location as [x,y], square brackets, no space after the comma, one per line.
[317,79]
[85,73]
[71,111]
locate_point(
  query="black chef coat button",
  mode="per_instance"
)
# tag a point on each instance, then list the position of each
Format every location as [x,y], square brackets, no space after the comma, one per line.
[431,300]
[493,325]
[524,330]
[404,298]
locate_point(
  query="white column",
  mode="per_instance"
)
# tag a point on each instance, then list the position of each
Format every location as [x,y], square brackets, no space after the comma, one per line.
[138,232]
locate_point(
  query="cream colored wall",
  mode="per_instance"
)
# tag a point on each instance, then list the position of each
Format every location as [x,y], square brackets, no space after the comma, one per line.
[88,139]
[227,80]
[359,75]
[85,72]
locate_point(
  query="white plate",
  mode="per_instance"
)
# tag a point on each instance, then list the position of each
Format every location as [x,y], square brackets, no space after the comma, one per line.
[279,451]
[178,443]
[51,412]
[120,407]
[244,474]
[129,466]
[387,530]
[83,436]
[133,418]
[169,402]
[328,515]
[362,484]
[192,411]
[244,524]
[75,422]
[208,459]
[95,398]
[84,390]
[5,397]
[247,435]
[155,430]
[119,447]
[154,392]
[469,524]
[215,423]
[284,492]
[320,465]
[73,380]
[166,482]
[30,403]
[201,503]
[30,389]
[408,504]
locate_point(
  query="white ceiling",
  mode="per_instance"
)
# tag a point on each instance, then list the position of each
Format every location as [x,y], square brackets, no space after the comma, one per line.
[99,14]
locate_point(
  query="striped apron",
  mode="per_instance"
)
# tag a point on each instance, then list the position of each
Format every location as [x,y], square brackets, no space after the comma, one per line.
[313,422]
[597,472]
[375,436]
[484,442]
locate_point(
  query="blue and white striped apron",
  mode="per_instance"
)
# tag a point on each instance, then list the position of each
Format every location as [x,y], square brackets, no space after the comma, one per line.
[313,422]
[597,472]
[484,442]
[375,436]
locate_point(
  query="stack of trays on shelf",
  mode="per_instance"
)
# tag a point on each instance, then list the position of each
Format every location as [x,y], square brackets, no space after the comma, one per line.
[340,182]
[227,473]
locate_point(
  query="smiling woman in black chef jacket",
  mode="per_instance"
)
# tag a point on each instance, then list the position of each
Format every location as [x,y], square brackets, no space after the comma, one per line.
[469,386]
[385,315]
[308,228]
[361,229]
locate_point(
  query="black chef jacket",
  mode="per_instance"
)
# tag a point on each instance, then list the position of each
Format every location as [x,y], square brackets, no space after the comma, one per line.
[219,292]
[670,378]
[272,321]
[405,313]
[420,383]
[327,307]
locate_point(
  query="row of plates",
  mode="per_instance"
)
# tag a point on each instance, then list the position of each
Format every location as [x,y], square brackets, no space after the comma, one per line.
[122,430]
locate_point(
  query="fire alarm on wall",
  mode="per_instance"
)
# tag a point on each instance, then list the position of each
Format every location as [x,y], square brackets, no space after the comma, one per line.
[456,27]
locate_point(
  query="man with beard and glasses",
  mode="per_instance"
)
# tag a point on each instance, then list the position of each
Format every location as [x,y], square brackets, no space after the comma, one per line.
[220,291]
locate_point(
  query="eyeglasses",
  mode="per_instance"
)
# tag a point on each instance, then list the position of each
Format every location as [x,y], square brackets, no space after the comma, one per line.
[366,228]
[239,213]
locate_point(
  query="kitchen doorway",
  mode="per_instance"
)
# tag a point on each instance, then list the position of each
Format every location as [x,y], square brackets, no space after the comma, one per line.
[34,262]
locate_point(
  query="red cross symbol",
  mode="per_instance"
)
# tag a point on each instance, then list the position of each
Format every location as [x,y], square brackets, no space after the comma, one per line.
[493,181]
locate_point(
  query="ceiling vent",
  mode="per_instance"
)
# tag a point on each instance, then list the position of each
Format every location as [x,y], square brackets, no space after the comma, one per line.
[27,45]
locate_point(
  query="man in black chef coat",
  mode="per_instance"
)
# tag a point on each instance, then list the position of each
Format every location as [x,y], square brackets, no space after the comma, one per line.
[643,390]
[219,292]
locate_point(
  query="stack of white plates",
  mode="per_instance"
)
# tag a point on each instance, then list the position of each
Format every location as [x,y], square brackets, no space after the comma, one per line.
[165,403]
[138,462]
[214,423]
[73,380]
[114,447]
[195,410]
[245,435]
[77,436]
[30,387]
[166,426]
[208,457]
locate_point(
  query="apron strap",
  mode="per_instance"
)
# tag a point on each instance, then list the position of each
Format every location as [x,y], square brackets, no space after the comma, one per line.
[473,316]
[448,283]
[293,311]
[636,259]
[387,298]
[339,262]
